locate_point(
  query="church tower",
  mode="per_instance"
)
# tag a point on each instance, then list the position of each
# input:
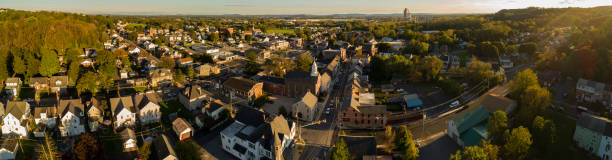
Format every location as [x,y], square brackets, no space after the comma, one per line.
[314,70]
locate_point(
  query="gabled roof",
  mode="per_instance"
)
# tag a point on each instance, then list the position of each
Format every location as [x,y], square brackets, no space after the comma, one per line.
[1,109]
[593,123]
[250,117]
[360,146]
[142,99]
[181,125]
[95,103]
[160,73]
[214,105]
[163,147]
[38,80]
[58,81]
[195,91]
[309,100]
[117,104]
[16,108]
[240,83]
[127,134]
[13,80]
[470,119]
[74,106]
[51,111]
[493,102]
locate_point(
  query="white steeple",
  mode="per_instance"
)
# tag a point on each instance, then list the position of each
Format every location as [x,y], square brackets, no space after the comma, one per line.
[314,70]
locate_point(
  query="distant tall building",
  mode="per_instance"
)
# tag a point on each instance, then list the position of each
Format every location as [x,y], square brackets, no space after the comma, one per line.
[407,15]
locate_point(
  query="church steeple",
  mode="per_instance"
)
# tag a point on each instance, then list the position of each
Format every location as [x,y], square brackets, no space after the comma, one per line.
[314,70]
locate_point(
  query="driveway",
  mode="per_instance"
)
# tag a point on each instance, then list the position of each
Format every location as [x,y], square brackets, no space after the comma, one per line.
[440,148]
[278,102]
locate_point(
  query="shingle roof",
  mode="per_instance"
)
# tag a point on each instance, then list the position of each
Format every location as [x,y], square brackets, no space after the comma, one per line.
[74,106]
[309,99]
[51,111]
[16,108]
[39,80]
[300,76]
[240,83]
[163,147]
[117,104]
[591,122]
[1,109]
[195,91]
[493,102]
[214,105]
[180,124]
[142,99]
[360,146]
[58,81]
[127,134]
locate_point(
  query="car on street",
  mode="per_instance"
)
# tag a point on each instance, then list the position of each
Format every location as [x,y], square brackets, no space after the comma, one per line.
[454,104]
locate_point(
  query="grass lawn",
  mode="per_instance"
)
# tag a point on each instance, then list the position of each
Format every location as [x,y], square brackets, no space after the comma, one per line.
[173,106]
[281,31]
[565,132]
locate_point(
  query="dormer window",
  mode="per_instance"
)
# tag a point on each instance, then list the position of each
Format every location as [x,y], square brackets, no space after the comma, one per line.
[58,83]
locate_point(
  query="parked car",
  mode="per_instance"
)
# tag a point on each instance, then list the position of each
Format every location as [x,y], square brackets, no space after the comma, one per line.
[454,104]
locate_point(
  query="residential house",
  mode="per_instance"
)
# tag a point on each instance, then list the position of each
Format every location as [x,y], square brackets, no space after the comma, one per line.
[182,128]
[605,150]
[147,104]
[307,108]
[58,84]
[45,117]
[129,140]
[193,96]
[214,109]
[331,53]
[39,83]
[11,85]
[361,147]
[326,82]
[186,62]
[470,128]
[256,135]
[207,70]
[15,121]
[72,117]
[124,112]
[164,149]
[299,82]
[589,133]
[9,148]
[243,88]
[589,91]
[272,85]
[95,113]
[160,77]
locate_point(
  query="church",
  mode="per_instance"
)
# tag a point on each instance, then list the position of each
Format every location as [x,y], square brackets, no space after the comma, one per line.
[299,82]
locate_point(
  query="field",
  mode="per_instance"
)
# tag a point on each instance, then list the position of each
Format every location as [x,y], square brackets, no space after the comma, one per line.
[281,31]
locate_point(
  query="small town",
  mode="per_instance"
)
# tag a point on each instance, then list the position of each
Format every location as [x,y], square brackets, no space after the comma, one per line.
[519,81]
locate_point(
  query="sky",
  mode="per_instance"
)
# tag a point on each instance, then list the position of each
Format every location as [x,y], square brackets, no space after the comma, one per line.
[267,7]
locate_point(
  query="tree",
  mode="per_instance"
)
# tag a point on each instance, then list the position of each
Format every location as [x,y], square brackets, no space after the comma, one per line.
[486,151]
[248,38]
[528,48]
[132,36]
[544,133]
[416,47]
[388,139]
[534,101]
[517,143]
[496,127]
[73,72]
[167,62]
[522,81]
[19,66]
[3,66]
[87,82]
[430,66]
[252,67]
[186,150]
[282,111]
[144,151]
[87,148]
[384,47]
[190,72]
[304,62]
[478,71]
[178,77]
[213,37]
[340,151]
[49,64]
[406,144]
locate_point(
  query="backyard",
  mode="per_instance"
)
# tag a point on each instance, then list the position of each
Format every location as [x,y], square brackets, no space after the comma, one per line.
[173,106]
[564,147]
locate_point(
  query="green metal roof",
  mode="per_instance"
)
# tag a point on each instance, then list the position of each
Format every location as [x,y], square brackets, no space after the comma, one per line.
[474,135]
[470,119]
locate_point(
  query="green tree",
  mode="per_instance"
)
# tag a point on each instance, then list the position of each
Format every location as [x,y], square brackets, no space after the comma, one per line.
[498,123]
[73,72]
[144,151]
[544,133]
[252,67]
[340,151]
[416,47]
[167,62]
[485,151]
[213,37]
[478,71]
[49,64]
[534,101]
[282,111]
[517,143]
[132,36]
[248,38]
[304,62]
[430,66]
[3,67]
[187,150]
[178,77]
[528,48]
[88,148]
[33,66]
[384,47]
[522,81]
[406,144]
[19,66]
[190,71]
[87,82]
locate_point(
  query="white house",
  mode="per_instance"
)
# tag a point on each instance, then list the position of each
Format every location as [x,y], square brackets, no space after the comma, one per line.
[605,146]
[164,148]
[253,136]
[193,97]
[306,107]
[15,122]
[123,111]
[135,50]
[8,149]
[129,140]
[213,109]
[45,117]
[72,117]
[11,85]
[95,113]
[148,109]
